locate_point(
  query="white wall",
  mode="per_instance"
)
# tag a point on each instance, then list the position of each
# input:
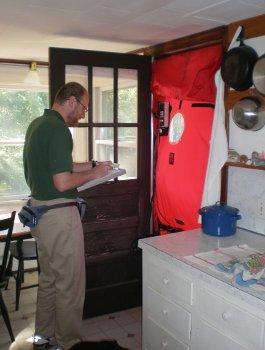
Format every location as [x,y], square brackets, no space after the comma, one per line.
[246,187]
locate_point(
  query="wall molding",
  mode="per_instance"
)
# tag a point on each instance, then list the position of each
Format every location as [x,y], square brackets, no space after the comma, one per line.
[187,43]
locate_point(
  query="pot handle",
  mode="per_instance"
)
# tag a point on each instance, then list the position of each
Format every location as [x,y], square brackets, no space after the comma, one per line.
[238,217]
[202,211]
[237,32]
[220,203]
[241,37]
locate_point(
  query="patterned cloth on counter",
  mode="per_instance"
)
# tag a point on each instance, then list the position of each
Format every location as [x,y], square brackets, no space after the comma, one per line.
[246,271]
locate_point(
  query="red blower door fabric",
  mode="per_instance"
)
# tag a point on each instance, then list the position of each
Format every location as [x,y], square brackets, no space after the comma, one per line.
[187,76]
[181,167]
[186,81]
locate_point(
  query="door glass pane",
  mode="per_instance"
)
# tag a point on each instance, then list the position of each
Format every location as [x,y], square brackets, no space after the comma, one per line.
[80,149]
[127,95]
[103,144]
[127,151]
[78,74]
[102,95]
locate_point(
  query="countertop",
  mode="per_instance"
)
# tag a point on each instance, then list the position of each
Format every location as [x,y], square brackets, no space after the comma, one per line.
[175,246]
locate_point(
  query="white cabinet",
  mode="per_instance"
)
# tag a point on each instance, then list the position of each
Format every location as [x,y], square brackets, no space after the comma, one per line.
[232,320]
[184,312]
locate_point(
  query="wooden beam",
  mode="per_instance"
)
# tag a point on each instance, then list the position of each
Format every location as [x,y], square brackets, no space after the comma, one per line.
[190,42]
[253,27]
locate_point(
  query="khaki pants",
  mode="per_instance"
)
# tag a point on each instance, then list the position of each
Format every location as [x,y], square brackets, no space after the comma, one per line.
[60,242]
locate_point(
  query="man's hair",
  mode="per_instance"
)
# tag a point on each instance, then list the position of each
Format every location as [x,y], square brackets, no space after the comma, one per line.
[68,90]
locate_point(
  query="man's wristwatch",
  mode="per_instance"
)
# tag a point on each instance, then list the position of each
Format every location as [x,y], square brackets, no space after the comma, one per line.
[94,163]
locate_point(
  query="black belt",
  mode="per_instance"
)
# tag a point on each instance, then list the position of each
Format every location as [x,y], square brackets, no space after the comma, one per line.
[61,205]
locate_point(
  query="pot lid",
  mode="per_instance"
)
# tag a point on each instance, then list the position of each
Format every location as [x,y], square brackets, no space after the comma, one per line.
[220,209]
[248,114]
[258,75]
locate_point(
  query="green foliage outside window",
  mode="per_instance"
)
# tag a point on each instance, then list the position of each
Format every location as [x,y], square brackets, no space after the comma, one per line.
[17,110]
[127,110]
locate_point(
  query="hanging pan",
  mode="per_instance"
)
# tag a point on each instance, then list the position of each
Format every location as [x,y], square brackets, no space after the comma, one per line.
[237,66]
[249,114]
[258,75]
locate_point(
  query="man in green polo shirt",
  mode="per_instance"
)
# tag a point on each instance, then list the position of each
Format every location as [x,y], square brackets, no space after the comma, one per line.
[53,178]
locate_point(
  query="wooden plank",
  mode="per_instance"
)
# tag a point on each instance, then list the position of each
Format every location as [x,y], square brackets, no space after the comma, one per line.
[111,207]
[246,166]
[109,241]
[113,282]
[224,183]
[111,188]
[234,96]
[112,298]
[253,27]
[190,42]
[111,224]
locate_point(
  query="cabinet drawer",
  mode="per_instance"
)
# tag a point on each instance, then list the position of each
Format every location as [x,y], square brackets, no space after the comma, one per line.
[168,280]
[170,316]
[206,337]
[157,338]
[230,319]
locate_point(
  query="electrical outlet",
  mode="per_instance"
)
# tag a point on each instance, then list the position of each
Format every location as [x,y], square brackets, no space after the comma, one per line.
[261,208]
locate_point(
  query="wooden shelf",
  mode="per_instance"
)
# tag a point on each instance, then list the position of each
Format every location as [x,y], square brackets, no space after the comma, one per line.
[242,165]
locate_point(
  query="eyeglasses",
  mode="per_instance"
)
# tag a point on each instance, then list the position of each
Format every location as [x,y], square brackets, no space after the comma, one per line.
[84,107]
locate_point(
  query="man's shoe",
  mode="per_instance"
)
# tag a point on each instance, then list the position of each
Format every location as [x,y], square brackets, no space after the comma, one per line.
[39,342]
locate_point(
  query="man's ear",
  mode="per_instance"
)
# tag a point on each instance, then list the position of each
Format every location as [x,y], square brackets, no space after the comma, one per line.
[71,101]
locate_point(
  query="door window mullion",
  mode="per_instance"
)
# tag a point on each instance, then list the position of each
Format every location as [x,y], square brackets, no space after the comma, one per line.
[90,112]
[115,114]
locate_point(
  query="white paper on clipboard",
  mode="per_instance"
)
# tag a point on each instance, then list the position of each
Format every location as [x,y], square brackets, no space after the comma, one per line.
[111,175]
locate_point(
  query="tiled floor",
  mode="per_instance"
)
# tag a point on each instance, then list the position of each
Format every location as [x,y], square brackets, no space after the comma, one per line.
[124,326]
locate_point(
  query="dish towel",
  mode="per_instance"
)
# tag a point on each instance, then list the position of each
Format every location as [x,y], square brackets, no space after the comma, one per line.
[246,271]
[218,144]
[218,148]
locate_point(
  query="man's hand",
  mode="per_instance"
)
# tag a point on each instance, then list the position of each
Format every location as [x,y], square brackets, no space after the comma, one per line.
[66,181]
[101,169]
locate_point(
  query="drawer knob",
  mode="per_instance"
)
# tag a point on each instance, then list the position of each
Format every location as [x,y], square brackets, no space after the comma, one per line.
[164,344]
[165,280]
[225,316]
[164,312]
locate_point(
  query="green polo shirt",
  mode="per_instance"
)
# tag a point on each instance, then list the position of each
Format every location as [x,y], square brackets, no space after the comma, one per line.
[47,151]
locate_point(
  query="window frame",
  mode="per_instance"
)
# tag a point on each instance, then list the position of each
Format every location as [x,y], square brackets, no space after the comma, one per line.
[19,197]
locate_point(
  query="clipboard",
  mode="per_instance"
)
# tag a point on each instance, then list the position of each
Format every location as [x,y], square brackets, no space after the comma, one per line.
[111,175]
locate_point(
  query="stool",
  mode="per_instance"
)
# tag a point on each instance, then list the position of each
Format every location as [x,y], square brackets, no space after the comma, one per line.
[22,250]
[6,224]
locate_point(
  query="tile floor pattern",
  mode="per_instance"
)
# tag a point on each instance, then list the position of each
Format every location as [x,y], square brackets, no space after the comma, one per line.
[124,326]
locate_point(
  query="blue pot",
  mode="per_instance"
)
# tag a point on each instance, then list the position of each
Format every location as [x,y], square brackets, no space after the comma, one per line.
[219,220]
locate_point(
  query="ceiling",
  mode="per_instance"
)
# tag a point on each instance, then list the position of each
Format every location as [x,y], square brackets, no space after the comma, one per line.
[29,27]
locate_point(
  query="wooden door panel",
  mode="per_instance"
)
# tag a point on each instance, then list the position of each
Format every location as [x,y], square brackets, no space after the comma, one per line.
[104,207]
[117,211]
[109,240]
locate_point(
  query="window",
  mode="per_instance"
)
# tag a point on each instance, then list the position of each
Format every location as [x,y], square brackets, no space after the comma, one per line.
[19,105]
[17,110]
[108,132]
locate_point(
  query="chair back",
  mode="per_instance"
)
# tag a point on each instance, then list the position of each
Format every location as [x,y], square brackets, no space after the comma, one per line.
[6,224]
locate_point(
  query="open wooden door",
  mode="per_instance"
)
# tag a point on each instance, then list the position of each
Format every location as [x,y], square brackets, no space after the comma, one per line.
[117,127]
